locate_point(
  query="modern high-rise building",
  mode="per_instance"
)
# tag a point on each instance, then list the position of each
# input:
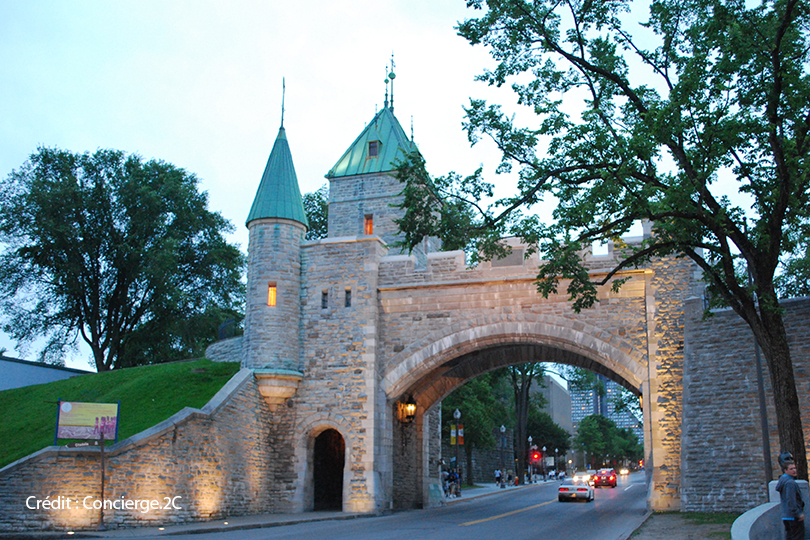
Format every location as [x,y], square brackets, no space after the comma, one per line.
[587,402]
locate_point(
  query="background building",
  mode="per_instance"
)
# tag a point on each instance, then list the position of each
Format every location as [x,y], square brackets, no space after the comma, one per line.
[18,373]
[587,402]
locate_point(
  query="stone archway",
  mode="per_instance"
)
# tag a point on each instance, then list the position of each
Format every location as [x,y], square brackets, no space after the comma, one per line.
[453,356]
[329,455]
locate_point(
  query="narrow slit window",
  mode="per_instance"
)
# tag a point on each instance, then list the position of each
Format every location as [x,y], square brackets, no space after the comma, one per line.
[368,225]
[324,299]
[348,302]
[373,149]
[271,294]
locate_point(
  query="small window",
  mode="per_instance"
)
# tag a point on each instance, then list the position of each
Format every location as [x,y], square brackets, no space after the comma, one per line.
[373,149]
[368,225]
[324,299]
[271,294]
[348,298]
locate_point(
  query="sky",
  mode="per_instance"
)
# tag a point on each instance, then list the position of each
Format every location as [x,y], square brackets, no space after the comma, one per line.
[199,84]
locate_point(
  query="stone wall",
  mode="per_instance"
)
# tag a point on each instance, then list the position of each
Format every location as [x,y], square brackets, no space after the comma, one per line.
[198,465]
[721,460]
[339,331]
[226,350]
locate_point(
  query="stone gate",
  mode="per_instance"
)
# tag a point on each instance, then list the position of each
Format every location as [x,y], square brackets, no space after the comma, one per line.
[344,334]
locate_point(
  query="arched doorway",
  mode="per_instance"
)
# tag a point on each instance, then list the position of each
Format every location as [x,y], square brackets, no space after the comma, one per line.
[328,461]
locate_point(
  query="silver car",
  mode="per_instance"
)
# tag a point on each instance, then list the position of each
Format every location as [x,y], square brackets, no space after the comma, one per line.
[575,488]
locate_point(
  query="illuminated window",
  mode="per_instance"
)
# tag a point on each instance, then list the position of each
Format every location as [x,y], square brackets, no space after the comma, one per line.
[373,148]
[368,225]
[271,294]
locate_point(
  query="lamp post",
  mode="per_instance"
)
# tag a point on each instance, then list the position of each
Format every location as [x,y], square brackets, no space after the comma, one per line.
[503,444]
[457,416]
[530,460]
[556,469]
[543,463]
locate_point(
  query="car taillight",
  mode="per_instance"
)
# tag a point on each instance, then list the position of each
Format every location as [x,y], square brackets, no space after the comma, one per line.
[581,489]
[612,477]
[563,489]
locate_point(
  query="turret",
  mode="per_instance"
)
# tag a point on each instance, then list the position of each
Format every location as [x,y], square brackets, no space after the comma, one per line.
[277,224]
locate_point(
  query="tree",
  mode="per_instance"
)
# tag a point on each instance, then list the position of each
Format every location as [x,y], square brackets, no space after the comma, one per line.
[600,437]
[521,376]
[316,206]
[643,127]
[480,411]
[116,251]
[545,432]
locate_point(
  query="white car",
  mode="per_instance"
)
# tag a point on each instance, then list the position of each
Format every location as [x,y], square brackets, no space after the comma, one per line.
[573,489]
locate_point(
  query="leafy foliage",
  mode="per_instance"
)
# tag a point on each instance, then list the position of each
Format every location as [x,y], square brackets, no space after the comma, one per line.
[489,401]
[115,251]
[646,124]
[481,410]
[545,432]
[605,442]
[316,206]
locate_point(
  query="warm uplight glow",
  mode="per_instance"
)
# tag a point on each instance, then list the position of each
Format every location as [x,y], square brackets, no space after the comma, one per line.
[71,532]
[224,522]
[368,225]
[161,528]
[271,294]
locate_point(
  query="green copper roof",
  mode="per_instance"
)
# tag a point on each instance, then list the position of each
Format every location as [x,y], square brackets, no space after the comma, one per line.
[278,195]
[392,145]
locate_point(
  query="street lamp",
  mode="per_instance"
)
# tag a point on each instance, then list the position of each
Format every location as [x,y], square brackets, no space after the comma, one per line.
[503,444]
[530,461]
[543,464]
[457,416]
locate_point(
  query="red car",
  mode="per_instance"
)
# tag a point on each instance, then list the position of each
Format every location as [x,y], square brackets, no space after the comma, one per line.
[605,477]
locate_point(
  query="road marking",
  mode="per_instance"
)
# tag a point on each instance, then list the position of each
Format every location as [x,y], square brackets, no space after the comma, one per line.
[513,512]
[628,487]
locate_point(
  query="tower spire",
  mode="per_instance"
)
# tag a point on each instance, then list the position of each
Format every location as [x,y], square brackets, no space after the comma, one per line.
[283,92]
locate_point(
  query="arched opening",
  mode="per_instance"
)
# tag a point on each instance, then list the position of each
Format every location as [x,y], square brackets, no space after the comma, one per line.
[443,372]
[328,461]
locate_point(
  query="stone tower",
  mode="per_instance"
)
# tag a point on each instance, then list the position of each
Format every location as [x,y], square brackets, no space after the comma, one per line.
[361,184]
[277,224]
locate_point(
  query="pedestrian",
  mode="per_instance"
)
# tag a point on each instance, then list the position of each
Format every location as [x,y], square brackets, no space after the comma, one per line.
[790,499]
[498,477]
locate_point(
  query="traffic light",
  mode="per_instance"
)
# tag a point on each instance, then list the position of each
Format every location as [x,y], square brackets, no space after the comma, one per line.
[535,456]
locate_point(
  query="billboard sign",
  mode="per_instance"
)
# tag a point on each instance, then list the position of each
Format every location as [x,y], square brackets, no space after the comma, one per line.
[77,420]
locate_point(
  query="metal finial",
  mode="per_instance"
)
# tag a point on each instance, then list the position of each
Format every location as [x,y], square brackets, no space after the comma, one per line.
[392,76]
[385,103]
[283,92]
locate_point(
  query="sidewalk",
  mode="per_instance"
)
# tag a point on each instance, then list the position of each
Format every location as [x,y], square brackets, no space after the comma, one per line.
[246,522]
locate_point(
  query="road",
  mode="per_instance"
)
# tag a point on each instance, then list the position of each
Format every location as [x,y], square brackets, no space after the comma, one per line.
[529,513]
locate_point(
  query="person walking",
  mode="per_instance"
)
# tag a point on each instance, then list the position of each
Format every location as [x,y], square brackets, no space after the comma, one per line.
[791,499]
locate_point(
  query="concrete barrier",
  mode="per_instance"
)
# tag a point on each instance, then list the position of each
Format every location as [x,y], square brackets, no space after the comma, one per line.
[764,522]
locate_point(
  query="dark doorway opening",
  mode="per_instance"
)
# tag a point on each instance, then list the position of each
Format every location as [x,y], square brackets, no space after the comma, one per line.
[329,455]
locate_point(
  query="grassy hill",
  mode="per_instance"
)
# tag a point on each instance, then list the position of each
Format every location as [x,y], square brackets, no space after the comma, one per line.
[148,395]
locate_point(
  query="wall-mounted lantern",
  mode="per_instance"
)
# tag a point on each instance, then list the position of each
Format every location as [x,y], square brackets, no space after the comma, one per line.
[407,410]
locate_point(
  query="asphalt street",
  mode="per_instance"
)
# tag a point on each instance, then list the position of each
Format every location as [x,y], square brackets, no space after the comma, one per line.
[528,513]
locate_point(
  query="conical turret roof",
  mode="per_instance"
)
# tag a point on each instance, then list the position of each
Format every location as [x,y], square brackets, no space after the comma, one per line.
[392,145]
[278,195]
